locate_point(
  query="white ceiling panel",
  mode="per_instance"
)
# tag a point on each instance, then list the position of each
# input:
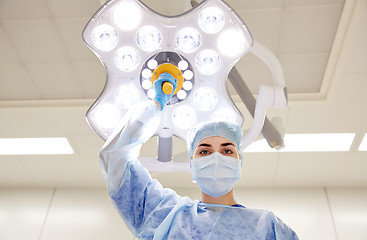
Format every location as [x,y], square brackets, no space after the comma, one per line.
[310,29]
[16,84]
[8,55]
[10,9]
[357,58]
[72,9]
[92,77]
[63,170]
[265,25]
[56,81]
[70,30]
[14,174]
[35,41]
[304,73]
[258,170]
[325,169]
[240,4]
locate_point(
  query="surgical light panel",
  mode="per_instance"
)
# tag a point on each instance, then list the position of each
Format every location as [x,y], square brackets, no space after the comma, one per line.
[211,20]
[134,42]
[127,15]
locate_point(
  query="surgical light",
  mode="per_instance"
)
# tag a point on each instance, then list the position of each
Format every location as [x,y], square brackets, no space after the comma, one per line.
[226,115]
[199,48]
[205,98]
[208,61]
[127,58]
[188,40]
[230,41]
[104,37]
[211,20]
[148,38]
[127,95]
[107,116]
[184,117]
[127,15]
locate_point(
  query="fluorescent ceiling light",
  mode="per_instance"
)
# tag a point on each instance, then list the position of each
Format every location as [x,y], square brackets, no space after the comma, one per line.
[315,142]
[363,146]
[34,146]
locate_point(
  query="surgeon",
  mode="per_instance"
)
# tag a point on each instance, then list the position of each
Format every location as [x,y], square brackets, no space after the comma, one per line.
[153,212]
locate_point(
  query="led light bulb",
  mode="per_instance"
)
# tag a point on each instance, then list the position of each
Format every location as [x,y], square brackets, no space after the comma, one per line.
[225,115]
[183,65]
[149,38]
[232,43]
[208,61]
[127,58]
[127,16]
[188,39]
[127,95]
[104,37]
[146,73]
[205,98]
[188,74]
[146,84]
[107,116]
[151,93]
[181,94]
[184,117]
[152,64]
[187,85]
[211,20]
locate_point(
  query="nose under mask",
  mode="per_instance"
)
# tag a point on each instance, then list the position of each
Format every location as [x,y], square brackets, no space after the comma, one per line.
[216,174]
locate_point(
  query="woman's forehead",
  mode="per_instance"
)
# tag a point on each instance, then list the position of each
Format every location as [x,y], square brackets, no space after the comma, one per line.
[214,140]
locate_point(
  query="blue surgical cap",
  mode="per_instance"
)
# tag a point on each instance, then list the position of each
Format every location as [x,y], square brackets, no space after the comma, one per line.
[227,130]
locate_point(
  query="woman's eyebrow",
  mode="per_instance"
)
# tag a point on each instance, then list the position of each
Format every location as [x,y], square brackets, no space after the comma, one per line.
[204,145]
[227,144]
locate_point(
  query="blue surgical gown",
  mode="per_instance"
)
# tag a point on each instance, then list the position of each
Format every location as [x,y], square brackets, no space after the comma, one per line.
[153,212]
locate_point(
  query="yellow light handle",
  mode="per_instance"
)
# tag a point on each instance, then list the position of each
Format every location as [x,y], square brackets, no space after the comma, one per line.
[167,88]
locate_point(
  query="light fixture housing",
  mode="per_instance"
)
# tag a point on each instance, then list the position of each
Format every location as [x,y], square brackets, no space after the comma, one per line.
[132,40]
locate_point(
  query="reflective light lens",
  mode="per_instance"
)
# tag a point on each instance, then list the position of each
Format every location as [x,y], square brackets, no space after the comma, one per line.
[104,37]
[146,84]
[127,95]
[188,40]
[211,20]
[107,116]
[148,38]
[225,115]
[187,85]
[126,16]
[188,74]
[181,94]
[146,73]
[151,93]
[232,43]
[152,64]
[183,65]
[184,117]
[208,61]
[205,98]
[127,58]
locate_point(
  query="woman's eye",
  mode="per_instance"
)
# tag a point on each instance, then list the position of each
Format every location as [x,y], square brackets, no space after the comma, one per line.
[227,151]
[204,152]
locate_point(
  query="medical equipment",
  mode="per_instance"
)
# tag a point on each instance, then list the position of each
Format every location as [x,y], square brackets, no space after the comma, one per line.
[204,43]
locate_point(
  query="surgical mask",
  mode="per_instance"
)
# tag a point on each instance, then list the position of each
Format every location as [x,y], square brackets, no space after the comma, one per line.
[216,174]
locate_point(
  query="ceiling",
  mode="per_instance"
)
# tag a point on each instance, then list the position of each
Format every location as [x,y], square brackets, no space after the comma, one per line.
[49,78]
